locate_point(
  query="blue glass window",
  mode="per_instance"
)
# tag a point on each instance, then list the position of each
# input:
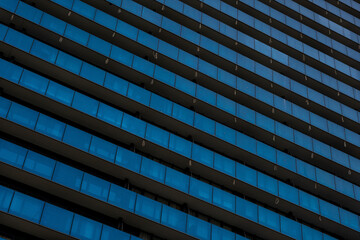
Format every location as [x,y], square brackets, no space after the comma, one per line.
[157,135]
[9,5]
[139,94]
[18,40]
[4,107]
[39,164]
[67,176]
[133,125]
[202,155]
[225,133]
[95,187]
[246,174]
[329,210]
[183,114]
[122,197]
[325,178]
[44,51]
[269,218]
[198,228]
[34,81]
[110,114]
[185,85]
[148,208]
[57,218]
[68,62]
[76,34]
[143,66]
[290,227]
[173,218]
[224,164]
[127,30]
[177,180]
[205,124]
[267,183]
[265,151]
[85,104]
[161,104]
[180,145]
[52,23]
[306,169]
[12,154]
[26,207]
[116,84]
[105,19]
[50,127]
[103,149]
[128,159]
[60,93]
[109,233]
[164,75]
[221,234]
[200,190]
[99,45]
[10,71]
[85,228]
[121,55]
[310,233]
[288,192]
[309,201]
[84,9]
[152,169]
[22,115]
[6,195]
[247,209]
[77,138]
[92,73]
[206,95]
[224,199]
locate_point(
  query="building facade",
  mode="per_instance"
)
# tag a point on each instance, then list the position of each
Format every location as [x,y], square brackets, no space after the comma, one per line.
[168,119]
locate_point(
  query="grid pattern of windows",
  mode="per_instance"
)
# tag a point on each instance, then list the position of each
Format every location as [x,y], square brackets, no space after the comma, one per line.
[179,119]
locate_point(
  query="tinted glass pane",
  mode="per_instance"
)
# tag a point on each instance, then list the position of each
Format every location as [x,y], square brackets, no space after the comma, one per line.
[148,208]
[103,149]
[128,159]
[122,197]
[85,228]
[173,218]
[6,195]
[50,127]
[109,233]
[22,115]
[77,138]
[57,218]
[200,190]
[95,187]
[152,169]
[198,228]
[12,154]
[177,180]
[39,164]
[26,207]
[68,176]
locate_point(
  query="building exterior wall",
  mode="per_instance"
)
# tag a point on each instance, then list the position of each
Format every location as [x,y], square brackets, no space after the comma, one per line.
[168,119]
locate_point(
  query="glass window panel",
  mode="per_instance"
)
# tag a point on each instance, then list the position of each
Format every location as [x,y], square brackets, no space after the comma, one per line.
[177,180]
[105,19]
[110,114]
[52,23]
[290,227]
[10,71]
[245,87]
[50,127]
[206,95]
[224,199]
[143,66]
[26,207]
[128,159]
[76,34]
[77,138]
[18,40]
[139,94]
[147,40]
[171,26]
[12,153]
[9,5]
[6,195]
[85,228]
[265,122]
[57,218]
[198,228]
[225,133]
[121,56]
[247,209]
[122,197]
[95,187]
[227,78]
[85,104]
[44,51]
[39,164]
[34,81]
[284,131]
[152,169]
[310,233]
[67,176]
[60,93]
[246,174]
[186,85]
[286,160]
[109,233]
[132,6]
[340,157]
[127,30]
[205,124]
[306,169]
[225,104]
[329,210]
[344,187]
[288,193]
[180,145]
[28,12]
[4,107]
[265,151]
[349,219]
[224,164]
[133,125]
[200,190]
[245,113]
[173,218]
[269,218]
[207,69]
[202,155]
[116,84]
[3,30]
[164,75]
[148,208]
[303,140]
[309,201]
[191,36]
[325,178]
[84,9]
[161,104]
[22,115]
[188,59]
[209,44]
[183,114]
[321,148]
[103,149]
[267,183]
[157,135]
[68,62]
[92,73]
[221,234]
